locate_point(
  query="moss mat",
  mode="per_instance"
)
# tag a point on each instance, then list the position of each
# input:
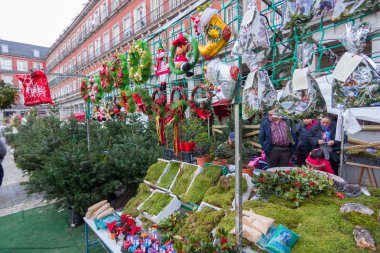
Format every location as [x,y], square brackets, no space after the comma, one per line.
[318,221]
[143,193]
[42,230]
[156,203]
[155,170]
[184,179]
[167,179]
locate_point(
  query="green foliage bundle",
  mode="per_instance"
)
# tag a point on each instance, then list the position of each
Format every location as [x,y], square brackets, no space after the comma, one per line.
[8,95]
[55,155]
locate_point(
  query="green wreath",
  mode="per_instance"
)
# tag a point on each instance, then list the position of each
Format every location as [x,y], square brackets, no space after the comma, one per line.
[194,55]
[202,109]
[126,100]
[85,88]
[120,71]
[147,101]
[220,34]
[139,62]
[106,77]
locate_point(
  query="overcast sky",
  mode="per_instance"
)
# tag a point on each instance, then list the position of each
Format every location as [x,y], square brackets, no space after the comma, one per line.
[37,22]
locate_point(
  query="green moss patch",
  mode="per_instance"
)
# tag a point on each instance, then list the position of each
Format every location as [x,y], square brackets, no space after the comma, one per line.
[200,224]
[209,177]
[156,203]
[155,170]
[318,221]
[184,179]
[167,179]
[223,193]
[143,193]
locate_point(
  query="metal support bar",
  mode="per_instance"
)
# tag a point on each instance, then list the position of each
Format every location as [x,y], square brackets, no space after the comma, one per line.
[238,178]
[48,74]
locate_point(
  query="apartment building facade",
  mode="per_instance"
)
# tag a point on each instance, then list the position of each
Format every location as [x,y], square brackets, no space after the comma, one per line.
[15,58]
[102,29]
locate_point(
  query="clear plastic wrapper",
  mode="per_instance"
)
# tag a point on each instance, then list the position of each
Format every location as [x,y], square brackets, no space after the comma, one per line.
[362,88]
[323,7]
[297,12]
[306,102]
[347,8]
[258,96]
[253,36]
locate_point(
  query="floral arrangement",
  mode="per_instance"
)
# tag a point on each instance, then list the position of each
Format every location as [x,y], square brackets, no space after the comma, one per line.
[106,77]
[85,89]
[139,62]
[120,72]
[293,185]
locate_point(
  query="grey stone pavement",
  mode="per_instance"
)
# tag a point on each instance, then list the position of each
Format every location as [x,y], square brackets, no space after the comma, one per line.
[13,197]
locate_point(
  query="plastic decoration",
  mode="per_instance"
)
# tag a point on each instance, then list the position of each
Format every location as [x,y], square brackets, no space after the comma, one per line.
[106,77]
[159,105]
[139,62]
[181,59]
[323,7]
[297,13]
[253,36]
[223,77]
[35,88]
[127,101]
[258,96]
[144,100]
[162,66]
[303,103]
[362,88]
[201,107]
[176,114]
[85,89]
[347,8]
[96,92]
[120,72]
[208,23]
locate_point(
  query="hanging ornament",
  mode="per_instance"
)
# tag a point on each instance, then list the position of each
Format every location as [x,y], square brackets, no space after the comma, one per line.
[127,101]
[159,105]
[96,92]
[106,78]
[143,100]
[201,107]
[176,114]
[139,62]
[119,71]
[181,59]
[162,66]
[85,89]
[35,88]
[208,23]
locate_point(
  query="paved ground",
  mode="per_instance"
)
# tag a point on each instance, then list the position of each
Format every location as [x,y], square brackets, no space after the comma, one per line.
[13,197]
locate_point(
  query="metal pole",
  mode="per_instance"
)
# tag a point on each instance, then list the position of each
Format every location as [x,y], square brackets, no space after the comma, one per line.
[88,126]
[341,160]
[238,178]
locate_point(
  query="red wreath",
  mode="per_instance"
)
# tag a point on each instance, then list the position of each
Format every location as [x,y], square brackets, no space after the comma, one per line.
[159,105]
[204,108]
[106,77]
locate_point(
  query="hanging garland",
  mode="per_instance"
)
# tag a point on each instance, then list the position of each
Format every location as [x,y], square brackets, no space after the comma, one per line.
[96,92]
[127,101]
[176,114]
[120,72]
[139,62]
[106,77]
[85,89]
[159,106]
[193,57]
[201,109]
[146,103]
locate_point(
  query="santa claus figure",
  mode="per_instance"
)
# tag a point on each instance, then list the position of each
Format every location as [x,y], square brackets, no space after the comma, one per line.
[162,66]
[181,61]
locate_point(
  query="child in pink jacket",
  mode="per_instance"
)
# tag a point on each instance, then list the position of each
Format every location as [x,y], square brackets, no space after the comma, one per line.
[316,160]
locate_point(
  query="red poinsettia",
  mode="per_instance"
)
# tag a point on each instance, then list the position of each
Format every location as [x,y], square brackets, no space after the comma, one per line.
[134,229]
[112,227]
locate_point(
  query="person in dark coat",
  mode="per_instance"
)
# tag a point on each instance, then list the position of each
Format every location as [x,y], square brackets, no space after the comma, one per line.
[303,131]
[3,152]
[323,137]
[277,138]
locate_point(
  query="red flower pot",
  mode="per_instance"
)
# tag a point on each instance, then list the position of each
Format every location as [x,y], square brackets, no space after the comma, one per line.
[187,146]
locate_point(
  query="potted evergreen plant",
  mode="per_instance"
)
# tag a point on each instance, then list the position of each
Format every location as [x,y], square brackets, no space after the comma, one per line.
[202,148]
[220,155]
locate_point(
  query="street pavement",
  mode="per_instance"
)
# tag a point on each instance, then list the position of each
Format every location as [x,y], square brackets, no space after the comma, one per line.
[13,197]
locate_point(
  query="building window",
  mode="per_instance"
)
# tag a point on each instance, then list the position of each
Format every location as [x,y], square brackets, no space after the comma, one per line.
[89,25]
[114,4]
[127,26]
[37,65]
[22,65]
[106,41]
[96,18]
[90,52]
[36,53]
[4,48]
[79,59]
[156,9]
[97,46]
[140,17]
[230,14]
[104,10]
[5,64]
[84,53]
[175,3]
[7,79]
[116,34]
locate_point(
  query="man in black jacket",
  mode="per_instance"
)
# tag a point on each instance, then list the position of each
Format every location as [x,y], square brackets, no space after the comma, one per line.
[303,131]
[277,138]
[3,152]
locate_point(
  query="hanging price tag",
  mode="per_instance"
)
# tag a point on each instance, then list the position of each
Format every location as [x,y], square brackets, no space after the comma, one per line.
[346,66]
[299,80]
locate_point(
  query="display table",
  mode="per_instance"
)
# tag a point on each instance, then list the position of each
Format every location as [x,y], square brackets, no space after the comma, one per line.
[368,168]
[103,239]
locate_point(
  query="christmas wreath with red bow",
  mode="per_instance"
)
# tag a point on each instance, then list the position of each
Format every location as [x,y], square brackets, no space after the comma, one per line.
[85,89]
[96,92]
[176,114]
[120,72]
[203,108]
[139,62]
[106,77]
[159,107]
[143,100]
[127,101]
